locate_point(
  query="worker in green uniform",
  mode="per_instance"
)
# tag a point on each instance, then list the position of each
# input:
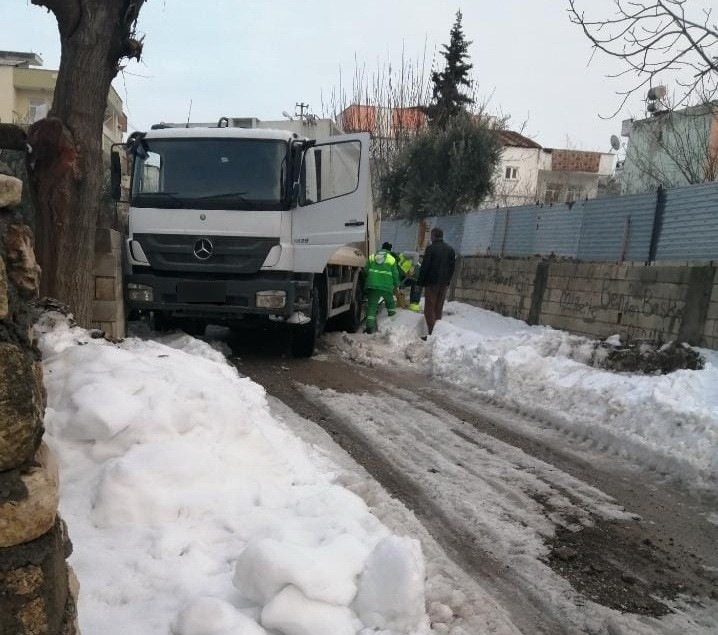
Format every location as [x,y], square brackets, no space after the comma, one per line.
[409,268]
[381,277]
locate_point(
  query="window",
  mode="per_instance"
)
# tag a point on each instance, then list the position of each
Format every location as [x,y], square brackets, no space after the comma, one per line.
[512,173]
[36,110]
[562,193]
[335,167]
[199,173]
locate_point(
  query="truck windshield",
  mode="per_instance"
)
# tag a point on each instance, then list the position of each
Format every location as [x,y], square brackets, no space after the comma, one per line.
[210,174]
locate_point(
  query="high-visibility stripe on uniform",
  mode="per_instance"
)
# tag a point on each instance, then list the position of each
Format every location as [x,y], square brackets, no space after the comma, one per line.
[389,260]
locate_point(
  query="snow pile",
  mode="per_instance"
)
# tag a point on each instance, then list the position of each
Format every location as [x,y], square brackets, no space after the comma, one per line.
[668,422]
[193,511]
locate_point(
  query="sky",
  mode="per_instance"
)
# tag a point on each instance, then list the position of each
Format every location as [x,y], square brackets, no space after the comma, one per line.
[198,505]
[260,57]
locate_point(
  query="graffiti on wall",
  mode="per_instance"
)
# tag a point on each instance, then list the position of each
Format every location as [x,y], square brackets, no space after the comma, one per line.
[575,302]
[473,275]
[645,304]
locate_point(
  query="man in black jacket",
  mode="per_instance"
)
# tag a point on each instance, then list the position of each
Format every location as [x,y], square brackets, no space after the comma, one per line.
[437,269]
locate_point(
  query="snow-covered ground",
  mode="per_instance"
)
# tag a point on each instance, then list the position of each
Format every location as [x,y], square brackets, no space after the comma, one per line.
[197,507]
[665,422]
[194,511]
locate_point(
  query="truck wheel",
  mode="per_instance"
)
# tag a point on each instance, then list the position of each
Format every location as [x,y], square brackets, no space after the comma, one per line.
[305,336]
[352,319]
[161,322]
[193,326]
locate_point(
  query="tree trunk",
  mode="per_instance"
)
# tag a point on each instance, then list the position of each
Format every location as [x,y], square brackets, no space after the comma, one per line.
[65,165]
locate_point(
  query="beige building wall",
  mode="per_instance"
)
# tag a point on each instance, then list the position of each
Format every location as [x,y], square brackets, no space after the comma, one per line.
[26,95]
[33,87]
[7,94]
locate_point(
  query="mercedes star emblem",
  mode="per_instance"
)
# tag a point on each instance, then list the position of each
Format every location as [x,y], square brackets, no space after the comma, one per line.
[203,249]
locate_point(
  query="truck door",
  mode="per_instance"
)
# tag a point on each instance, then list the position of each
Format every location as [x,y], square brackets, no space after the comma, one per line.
[334,200]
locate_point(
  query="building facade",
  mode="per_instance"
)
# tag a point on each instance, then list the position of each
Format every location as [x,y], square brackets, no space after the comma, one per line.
[671,148]
[26,93]
[381,122]
[526,174]
[529,173]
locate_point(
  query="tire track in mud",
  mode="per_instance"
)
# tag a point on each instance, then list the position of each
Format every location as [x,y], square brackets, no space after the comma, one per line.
[669,551]
[527,606]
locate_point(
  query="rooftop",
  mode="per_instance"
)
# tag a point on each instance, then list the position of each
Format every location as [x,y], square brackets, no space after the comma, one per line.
[516,140]
[18,58]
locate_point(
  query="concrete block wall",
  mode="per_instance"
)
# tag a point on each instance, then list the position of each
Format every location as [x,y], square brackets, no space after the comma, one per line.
[710,330]
[108,312]
[598,299]
[502,285]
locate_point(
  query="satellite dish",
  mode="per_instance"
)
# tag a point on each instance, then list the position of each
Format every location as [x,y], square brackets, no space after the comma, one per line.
[615,142]
[656,92]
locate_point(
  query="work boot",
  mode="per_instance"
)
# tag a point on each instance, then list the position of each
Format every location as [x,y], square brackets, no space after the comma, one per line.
[391,313]
[370,329]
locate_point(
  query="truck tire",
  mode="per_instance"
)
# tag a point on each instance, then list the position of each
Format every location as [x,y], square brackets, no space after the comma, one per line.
[161,322]
[193,326]
[305,336]
[352,319]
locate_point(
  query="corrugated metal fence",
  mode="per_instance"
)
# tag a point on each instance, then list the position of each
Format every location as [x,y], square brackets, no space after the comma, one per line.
[678,224]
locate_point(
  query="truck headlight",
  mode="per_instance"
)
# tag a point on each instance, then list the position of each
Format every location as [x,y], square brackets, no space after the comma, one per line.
[137,253]
[271,299]
[140,292]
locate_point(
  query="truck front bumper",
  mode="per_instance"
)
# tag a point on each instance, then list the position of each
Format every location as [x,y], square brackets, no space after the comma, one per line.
[224,298]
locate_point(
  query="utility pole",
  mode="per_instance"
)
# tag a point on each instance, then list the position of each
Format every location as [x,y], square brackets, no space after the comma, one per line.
[302,107]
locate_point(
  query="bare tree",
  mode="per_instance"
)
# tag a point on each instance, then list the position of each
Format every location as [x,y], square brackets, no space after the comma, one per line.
[655,39]
[392,102]
[388,103]
[65,158]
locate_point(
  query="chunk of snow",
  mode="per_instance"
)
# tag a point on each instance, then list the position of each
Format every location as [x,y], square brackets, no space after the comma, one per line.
[326,573]
[212,616]
[292,613]
[391,584]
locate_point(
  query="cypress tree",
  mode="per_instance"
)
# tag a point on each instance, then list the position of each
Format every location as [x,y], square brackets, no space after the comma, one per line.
[448,100]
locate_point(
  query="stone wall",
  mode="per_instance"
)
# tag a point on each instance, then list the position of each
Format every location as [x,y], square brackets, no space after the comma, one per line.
[597,299]
[37,588]
[108,312]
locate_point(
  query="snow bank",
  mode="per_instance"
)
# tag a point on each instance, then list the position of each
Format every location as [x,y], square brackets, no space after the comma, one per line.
[667,422]
[193,511]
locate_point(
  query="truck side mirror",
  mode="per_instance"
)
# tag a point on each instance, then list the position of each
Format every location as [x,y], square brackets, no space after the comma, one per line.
[297,157]
[115,176]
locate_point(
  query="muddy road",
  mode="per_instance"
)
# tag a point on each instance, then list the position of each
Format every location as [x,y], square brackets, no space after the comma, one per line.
[475,474]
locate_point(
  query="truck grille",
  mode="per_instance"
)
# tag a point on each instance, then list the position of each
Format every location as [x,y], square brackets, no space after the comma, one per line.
[229,254]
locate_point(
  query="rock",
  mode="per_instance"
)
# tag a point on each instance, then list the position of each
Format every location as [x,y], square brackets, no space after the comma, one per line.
[629,578]
[24,580]
[30,517]
[35,599]
[3,290]
[22,267]
[566,553]
[10,191]
[21,406]
[70,625]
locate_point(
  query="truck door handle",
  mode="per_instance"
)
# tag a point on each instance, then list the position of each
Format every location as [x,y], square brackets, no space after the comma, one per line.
[354,223]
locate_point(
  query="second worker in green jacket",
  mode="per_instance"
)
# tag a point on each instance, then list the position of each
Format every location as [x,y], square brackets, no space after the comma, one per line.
[381,277]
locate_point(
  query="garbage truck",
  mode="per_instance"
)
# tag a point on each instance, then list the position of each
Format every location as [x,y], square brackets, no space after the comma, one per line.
[244,223]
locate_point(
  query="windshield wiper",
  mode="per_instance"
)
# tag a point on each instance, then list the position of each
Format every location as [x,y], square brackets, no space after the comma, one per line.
[205,197]
[172,195]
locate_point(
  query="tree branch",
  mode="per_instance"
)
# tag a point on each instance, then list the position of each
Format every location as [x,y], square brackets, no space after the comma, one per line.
[657,37]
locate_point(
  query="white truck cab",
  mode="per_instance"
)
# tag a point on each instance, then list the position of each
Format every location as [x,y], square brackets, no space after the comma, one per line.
[239,225]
